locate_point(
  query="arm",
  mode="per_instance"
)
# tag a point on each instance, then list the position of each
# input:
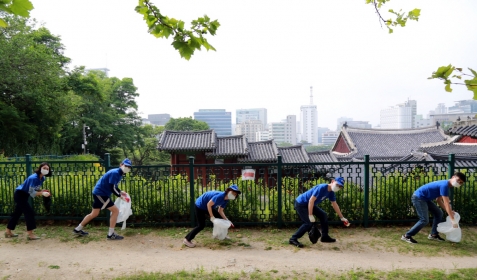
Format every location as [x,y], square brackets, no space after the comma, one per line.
[311,204]
[222,214]
[336,207]
[209,208]
[445,204]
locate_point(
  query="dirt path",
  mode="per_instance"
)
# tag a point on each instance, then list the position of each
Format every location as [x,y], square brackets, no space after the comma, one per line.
[51,259]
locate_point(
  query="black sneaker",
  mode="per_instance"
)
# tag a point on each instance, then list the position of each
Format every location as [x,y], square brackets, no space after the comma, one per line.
[435,237]
[408,239]
[80,232]
[114,236]
[327,239]
[295,243]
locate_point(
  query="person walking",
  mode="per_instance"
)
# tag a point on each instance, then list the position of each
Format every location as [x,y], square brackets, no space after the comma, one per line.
[210,203]
[31,187]
[422,199]
[306,206]
[105,186]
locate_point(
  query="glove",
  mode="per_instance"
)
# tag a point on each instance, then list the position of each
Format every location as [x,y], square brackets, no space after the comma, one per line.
[212,219]
[454,224]
[45,193]
[345,221]
[312,218]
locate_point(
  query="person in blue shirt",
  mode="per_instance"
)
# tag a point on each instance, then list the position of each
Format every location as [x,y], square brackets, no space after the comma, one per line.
[212,203]
[422,201]
[30,188]
[306,206]
[107,185]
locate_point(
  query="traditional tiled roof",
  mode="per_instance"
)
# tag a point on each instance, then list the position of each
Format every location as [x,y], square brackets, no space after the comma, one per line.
[388,143]
[230,146]
[263,151]
[171,141]
[293,154]
[465,128]
[464,149]
[323,156]
[460,161]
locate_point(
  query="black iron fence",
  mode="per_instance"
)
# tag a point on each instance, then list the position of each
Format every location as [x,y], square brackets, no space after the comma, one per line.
[375,192]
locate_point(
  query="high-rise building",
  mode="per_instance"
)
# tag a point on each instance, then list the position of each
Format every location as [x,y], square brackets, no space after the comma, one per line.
[401,116]
[263,135]
[217,119]
[249,128]
[422,122]
[329,137]
[251,114]
[309,121]
[463,106]
[349,122]
[158,119]
[284,131]
[322,130]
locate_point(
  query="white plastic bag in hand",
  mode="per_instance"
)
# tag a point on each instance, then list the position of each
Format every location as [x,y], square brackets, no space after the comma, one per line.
[221,228]
[125,210]
[452,234]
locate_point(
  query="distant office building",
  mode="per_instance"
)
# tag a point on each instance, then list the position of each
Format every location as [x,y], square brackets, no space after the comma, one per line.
[349,122]
[309,121]
[329,137]
[251,114]
[249,128]
[447,119]
[401,116]
[321,130]
[422,122]
[284,131]
[217,119]
[341,121]
[463,106]
[158,119]
[263,135]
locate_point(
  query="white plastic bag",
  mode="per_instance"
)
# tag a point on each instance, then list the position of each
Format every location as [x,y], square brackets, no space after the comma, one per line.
[124,210]
[221,228]
[452,234]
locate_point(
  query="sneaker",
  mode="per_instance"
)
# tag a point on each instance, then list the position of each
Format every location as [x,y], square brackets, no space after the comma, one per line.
[295,242]
[435,237]
[114,236]
[80,232]
[188,243]
[408,239]
[327,239]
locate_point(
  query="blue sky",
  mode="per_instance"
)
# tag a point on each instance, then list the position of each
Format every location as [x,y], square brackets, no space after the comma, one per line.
[270,52]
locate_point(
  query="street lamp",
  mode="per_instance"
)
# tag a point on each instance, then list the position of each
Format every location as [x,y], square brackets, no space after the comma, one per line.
[84,138]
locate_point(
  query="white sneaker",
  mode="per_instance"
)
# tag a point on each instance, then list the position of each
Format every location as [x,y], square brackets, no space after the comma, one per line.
[188,243]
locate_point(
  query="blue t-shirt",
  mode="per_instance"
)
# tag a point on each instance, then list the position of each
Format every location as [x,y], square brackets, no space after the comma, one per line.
[32,184]
[319,191]
[109,183]
[217,197]
[433,190]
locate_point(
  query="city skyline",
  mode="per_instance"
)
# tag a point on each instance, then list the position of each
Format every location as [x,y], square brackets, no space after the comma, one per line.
[355,67]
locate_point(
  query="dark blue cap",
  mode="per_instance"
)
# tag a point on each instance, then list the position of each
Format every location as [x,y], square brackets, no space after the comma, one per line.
[234,188]
[127,162]
[340,181]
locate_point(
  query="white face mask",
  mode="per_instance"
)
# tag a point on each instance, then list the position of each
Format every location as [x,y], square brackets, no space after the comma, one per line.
[125,169]
[45,171]
[231,196]
[455,184]
[335,188]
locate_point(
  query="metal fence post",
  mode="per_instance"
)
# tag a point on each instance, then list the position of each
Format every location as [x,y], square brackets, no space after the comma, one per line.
[366,191]
[107,161]
[191,190]
[29,171]
[279,189]
[451,173]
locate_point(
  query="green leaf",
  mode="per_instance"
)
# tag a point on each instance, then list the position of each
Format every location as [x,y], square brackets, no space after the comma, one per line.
[3,23]
[21,7]
[390,30]
[415,13]
[473,72]
[448,88]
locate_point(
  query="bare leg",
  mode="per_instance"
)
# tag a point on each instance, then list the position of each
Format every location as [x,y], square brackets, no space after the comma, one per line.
[94,213]
[114,215]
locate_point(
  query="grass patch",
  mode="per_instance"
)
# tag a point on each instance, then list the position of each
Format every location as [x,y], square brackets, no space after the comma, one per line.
[54,267]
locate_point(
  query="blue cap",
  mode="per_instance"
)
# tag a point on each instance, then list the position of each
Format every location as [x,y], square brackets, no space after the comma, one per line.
[234,188]
[127,162]
[340,181]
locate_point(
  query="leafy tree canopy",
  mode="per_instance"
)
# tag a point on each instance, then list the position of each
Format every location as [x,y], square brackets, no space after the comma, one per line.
[186,124]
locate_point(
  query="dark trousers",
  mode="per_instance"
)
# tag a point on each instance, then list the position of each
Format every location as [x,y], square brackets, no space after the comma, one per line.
[302,211]
[22,207]
[200,216]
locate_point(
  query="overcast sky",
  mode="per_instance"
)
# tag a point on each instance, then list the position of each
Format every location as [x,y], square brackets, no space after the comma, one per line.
[269,53]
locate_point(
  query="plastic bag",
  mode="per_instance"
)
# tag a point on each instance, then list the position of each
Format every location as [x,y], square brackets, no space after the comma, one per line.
[452,234]
[314,234]
[124,210]
[221,228]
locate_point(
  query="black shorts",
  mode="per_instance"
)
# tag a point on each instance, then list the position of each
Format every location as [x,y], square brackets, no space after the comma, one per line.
[102,202]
